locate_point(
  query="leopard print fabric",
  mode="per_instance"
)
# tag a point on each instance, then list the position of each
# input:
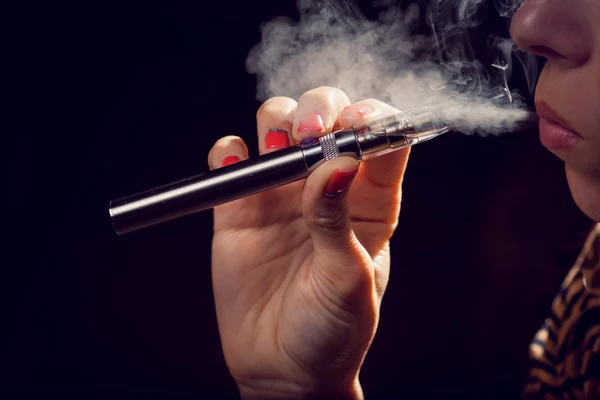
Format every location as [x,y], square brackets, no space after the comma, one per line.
[565,352]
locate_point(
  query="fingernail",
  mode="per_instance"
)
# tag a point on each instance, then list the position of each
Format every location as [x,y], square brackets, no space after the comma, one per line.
[357,109]
[230,160]
[339,182]
[277,139]
[311,123]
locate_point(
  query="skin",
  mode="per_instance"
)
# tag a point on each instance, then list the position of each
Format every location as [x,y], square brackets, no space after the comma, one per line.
[299,277]
[296,316]
[567,34]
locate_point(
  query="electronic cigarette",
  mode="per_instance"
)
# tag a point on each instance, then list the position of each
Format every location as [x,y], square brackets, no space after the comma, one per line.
[210,189]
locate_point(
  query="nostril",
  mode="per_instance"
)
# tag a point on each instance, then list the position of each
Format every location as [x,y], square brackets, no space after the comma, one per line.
[545,52]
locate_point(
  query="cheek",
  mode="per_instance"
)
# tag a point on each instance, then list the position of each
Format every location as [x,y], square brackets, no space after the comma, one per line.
[591,116]
[586,192]
[594,97]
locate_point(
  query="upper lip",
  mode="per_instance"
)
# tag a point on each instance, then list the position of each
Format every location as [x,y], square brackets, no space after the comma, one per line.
[546,112]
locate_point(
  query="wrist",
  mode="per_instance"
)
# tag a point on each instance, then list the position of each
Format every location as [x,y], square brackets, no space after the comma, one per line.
[291,391]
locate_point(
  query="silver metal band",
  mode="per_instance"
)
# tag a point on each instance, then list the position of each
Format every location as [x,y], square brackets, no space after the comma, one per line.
[329,147]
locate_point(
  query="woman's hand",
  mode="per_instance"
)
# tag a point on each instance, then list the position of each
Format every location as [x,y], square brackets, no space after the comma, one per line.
[299,271]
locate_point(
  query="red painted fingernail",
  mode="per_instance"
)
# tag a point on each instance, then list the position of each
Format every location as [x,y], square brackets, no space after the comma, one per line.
[277,139]
[230,160]
[339,182]
[311,123]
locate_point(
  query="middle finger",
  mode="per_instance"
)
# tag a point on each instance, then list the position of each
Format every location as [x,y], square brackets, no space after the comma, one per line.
[317,112]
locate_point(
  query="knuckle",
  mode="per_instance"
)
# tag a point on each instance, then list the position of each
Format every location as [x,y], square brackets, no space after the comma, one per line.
[370,101]
[225,144]
[332,218]
[323,94]
[275,105]
[374,103]
[387,230]
[227,141]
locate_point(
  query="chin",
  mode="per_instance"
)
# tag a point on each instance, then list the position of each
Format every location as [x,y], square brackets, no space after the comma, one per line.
[586,192]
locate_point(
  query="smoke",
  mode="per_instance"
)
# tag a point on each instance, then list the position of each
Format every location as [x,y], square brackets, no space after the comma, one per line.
[333,44]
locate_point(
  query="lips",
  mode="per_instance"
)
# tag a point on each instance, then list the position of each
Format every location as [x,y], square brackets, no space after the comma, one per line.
[555,134]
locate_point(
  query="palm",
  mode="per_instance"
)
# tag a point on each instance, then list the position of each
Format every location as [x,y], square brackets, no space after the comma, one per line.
[266,296]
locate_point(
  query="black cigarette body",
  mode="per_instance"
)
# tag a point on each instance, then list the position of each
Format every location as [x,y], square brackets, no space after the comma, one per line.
[207,190]
[268,171]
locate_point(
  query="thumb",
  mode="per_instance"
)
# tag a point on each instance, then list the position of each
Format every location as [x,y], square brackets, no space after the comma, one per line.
[325,209]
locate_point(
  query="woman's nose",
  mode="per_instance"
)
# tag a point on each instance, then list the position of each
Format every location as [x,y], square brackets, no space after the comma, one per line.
[554,29]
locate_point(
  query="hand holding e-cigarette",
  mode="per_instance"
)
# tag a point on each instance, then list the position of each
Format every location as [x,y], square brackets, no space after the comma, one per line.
[299,271]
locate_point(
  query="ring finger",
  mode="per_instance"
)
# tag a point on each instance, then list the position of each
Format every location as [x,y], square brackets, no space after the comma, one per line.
[274,121]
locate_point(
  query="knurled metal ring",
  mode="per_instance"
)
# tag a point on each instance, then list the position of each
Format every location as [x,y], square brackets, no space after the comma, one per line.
[329,147]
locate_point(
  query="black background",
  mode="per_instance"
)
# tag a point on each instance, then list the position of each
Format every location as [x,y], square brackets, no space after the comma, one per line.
[111,99]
